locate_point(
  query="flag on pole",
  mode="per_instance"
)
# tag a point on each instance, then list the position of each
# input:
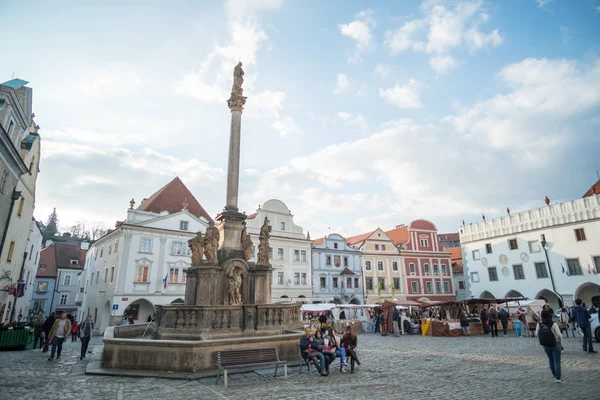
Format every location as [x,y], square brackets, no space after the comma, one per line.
[563,269]
[165,281]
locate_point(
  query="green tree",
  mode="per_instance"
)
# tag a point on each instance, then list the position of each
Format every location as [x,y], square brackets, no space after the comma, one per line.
[51,225]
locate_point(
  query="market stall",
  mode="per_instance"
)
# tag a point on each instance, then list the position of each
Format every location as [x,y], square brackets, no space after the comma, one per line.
[388,311]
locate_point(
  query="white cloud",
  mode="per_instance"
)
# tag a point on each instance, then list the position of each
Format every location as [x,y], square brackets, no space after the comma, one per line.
[341,83]
[542,3]
[477,39]
[362,91]
[383,70]
[287,127]
[266,102]
[360,31]
[402,38]
[407,96]
[117,79]
[353,121]
[442,64]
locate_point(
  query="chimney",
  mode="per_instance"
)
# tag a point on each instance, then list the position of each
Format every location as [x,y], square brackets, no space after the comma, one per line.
[85,246]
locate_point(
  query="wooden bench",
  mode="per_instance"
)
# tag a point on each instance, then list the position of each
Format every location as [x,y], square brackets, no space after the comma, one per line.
[248,359]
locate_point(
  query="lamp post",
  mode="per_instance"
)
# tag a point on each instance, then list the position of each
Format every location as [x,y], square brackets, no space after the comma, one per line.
[545,247]
[363,286]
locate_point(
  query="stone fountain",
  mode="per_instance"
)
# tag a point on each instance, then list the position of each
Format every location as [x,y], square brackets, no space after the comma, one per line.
[227,299]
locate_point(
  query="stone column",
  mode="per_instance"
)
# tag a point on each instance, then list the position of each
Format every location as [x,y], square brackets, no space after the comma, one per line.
[236,103]
[125,249]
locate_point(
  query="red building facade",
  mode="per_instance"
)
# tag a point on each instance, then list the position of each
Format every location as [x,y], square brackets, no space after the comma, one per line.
[427,265]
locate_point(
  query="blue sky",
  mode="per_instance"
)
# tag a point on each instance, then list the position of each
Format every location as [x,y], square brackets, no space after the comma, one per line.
[359,114]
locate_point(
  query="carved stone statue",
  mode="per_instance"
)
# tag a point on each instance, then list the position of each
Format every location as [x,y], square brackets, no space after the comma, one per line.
[238,78]
[247,246]
[264,250]
[235,287]
[211,242]
[195,244]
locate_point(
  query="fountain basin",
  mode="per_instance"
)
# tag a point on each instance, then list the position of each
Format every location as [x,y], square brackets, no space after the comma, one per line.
[123,350]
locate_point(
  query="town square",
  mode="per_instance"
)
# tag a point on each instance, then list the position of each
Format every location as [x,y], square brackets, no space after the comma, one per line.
[279,199]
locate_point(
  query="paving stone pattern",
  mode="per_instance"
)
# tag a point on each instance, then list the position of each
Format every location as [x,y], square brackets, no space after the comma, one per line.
[409,367]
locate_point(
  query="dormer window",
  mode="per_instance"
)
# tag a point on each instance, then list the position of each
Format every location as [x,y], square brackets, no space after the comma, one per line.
[183,225]
[74,261]
[335,245]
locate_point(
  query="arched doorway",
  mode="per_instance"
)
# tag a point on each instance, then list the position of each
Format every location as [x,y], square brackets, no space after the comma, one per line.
[514,294]
[589,293]
[140,309]
[550,297]
[487,295]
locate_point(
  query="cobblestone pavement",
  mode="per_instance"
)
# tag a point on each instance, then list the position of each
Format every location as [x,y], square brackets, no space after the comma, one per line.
[409,367]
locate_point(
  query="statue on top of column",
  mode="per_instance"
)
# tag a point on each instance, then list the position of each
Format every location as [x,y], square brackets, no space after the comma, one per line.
[264,250]
[238,79]
[195,244]
[211,242]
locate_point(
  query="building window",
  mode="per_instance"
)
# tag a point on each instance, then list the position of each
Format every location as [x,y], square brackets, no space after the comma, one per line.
[438,287]
[596,260]
[112,274]
[436,269]
[303,280]
[110,250]
[303,255]
[180,249]
[348,283]
[97,277]
[379,265]
[42,265]
[21,205]
[574,267]
[540,270]
[337,261]
[253,251]
[493,274]
[426,266]
[381,283]
[11,250]
[335,245]
[142,273]
[101,251]
[323,282]
[476,255]
[368,265]
[412,268]
[280,278]
[280,254]
[270,253]
[63,299]
[335,283]
[145,246]
[518,271]
[183,225]
[296,278]
[579,234]
[428,287]
[414,287]
[376,247]
[356,282]
[512,244]
[42,287]
[424,243]
[296,255]
[38,306]
[461,285]
[283,226]
[488,248]
[396,282]
[67,280]
[173,275]
[369,283]
[446,287]
[116,245]
[475,277]
[444,269]
[3,179]
[395,265]
[383,247]
[105,274]
[327,260]
[345,261]
[534,246]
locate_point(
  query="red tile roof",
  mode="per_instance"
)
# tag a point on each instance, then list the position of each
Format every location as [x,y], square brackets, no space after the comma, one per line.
[358,239]
[399,235]
[455,254]
[252,216]
[59,255]
[595,189]
[171,198]
[449,237]
[319,241]
[48,259]
[347,271]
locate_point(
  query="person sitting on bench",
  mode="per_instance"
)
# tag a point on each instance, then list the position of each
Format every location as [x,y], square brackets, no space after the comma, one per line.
[306,343]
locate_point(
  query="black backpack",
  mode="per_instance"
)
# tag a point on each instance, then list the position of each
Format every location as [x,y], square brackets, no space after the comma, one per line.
[546,336]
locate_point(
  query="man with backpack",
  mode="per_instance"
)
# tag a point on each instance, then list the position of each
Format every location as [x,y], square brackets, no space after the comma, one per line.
[503,316]
[582,316]
[550,337]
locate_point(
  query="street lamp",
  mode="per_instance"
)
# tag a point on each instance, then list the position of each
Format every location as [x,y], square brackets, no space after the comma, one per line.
[545,247]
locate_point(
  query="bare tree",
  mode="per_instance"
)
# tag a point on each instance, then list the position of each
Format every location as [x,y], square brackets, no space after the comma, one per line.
[97,230]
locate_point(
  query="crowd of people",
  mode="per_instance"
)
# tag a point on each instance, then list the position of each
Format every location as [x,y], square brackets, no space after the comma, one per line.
[322,348]
[50,333]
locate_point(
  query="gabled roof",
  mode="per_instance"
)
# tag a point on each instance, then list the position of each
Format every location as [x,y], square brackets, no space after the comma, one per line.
[455,253]
[48,259]
[319,241]
[358,239]
[15,83]
[347,271]
[595,189]
[171,198]
[399,235]
[65,252]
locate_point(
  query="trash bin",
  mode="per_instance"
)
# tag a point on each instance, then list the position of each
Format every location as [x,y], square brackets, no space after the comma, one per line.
[15,339]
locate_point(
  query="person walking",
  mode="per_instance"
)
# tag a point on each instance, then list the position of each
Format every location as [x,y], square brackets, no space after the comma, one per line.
[74,332]
[503,316]
[582,316]
[550,337]
[522,316]
[464,322]
[38,334]
[382,327]
[484,320]
[59,332]
[47,327]
[564,321]
[85,333]
[396,322]
[493,318]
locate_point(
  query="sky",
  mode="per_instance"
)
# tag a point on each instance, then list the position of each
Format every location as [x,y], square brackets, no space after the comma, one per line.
[359,114]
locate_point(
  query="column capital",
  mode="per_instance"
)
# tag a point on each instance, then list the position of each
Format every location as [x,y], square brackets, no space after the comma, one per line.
[236,102]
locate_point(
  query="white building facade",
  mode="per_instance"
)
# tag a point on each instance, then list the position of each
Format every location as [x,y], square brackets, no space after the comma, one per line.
[142,262]
[290,252]
[336,271]
[540,253]
[27,276]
